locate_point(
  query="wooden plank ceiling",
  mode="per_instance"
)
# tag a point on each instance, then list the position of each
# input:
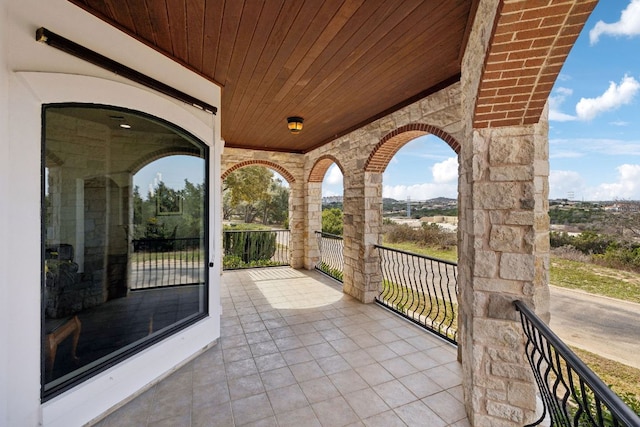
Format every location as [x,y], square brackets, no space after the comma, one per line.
[339,64]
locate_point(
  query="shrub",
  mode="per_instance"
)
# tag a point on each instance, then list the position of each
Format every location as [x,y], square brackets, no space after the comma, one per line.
[427,235]
[570,253]
[250,246]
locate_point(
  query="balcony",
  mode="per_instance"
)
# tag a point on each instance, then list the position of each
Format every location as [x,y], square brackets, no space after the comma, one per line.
[295,350]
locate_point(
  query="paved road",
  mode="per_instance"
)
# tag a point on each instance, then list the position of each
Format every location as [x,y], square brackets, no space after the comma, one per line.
[601,325]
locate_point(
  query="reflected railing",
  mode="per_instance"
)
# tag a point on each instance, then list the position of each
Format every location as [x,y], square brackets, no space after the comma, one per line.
[159,263]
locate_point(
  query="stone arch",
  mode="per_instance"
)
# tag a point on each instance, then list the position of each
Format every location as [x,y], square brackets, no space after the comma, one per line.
[165,152]
[321,166]
[389,145]
[282,171]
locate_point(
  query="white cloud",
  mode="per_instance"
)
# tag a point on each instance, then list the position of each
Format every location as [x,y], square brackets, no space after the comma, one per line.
[564,183]
[555,102]
[446,171]
[334,176]
[557,116]
[421,191]
[619,123]
[626,187]
[628,25]
[612,98]
[567,154]
[585,146]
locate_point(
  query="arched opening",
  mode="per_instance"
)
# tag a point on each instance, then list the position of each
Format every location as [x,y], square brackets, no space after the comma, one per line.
[256,211]
[413,175]
[325,182]
[419,191]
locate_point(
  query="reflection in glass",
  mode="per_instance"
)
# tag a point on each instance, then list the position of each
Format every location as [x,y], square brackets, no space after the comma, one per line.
[123,266]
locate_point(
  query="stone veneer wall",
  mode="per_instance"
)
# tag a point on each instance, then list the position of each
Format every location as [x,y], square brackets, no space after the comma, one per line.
[362,203]
[502,247]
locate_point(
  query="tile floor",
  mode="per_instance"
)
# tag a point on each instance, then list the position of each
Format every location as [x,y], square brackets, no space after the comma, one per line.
[296,351]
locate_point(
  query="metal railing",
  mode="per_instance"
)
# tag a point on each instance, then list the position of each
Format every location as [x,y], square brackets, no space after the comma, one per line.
[571,393]
[331,260]
[166,262]
[421,289]
[255,248]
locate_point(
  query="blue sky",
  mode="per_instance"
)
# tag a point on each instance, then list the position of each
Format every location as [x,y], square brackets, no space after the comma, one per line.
[172,171]
[594,123]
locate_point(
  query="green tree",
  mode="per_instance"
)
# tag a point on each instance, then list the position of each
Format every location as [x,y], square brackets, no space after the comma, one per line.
[192,216]
[332,221]
[248,186]
[275,206]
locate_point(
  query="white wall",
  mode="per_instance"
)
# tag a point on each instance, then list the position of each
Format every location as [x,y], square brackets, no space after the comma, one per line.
[40,74]
[4,261]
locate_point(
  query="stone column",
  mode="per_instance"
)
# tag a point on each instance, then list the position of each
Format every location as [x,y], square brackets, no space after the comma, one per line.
[297,223]
[362,222]
[313,223]
[504,256]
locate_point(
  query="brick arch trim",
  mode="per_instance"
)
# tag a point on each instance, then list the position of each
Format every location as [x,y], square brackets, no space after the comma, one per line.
[165,152]
[389,145]
[527,49]
[321,166]
[282,171]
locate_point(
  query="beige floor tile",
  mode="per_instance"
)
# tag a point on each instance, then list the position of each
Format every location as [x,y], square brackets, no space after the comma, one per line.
[418,414]
[300,417]
[335,412]
[269,362]
[374,374]
[420,385]
[366,403]
[385,419]
[319,389]
[296,353]
[446,406]
[251,409]
[306,371]
[333,364]
[277,378]
[394,393]
[287,398]
[245,387]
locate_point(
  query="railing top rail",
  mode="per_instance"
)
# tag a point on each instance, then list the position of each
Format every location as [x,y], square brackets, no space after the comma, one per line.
[256,231]
[604,393]
[332,236]
[444,261]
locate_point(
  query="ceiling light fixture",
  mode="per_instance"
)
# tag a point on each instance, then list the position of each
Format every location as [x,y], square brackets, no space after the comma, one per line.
[125,125]
[295,124]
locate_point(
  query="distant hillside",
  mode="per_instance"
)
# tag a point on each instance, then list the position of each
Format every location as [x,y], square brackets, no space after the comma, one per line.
[431,201]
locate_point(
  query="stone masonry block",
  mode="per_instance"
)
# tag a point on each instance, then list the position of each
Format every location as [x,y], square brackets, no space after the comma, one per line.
[486,264]
[497,285]
[520,218]
[517,266]
[515,150]
[511,173]
[500,195]
[506,238]
[501,307]
[505,411]
[514,371]
[522,395]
